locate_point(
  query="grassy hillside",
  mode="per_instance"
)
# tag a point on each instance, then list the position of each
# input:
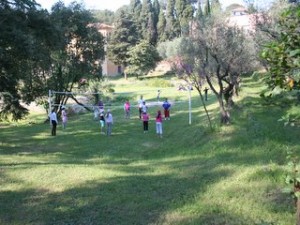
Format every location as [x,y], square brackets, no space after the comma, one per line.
[232,176]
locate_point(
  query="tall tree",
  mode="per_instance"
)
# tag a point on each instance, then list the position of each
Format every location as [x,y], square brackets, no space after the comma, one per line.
[184,12]
[103,16]
[21,35]
[161,26]
[78,52]
[207,8]
[156,12]
[172,24]
[217,52]
[135,7]
[148,28]
[199,12]
[123,37]
[143,58]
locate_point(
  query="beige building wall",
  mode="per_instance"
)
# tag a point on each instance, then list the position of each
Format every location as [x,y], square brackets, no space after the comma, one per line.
[108,67]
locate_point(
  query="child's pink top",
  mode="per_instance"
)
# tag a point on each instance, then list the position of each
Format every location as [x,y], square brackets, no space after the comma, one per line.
[145,117]
[127,106]
[158,119]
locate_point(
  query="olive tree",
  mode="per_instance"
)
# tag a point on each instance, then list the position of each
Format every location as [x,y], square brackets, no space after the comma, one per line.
[216,54]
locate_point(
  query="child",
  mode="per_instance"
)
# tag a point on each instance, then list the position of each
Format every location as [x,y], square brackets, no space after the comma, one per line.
[53,119]
[127,109]
[144,107]
[109,122]
[140,105]
[102,122]
[166,105]
[145,118]
[64,117]
[158,121]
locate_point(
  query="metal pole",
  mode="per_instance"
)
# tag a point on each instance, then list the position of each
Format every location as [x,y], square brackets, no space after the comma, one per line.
[190,105]
[50,106]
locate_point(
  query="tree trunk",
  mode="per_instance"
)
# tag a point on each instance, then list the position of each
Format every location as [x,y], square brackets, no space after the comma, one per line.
[204,106]
[298,211]
[225,116]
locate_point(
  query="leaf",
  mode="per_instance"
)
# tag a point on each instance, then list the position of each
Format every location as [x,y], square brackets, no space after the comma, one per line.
[287,190]
[288,179]
[294,53]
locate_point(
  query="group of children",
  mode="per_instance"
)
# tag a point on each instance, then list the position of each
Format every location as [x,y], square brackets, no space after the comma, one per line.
[144,116]
[106,119]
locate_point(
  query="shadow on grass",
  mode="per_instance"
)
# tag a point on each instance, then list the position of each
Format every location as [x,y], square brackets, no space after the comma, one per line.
[195,154]
[120,200]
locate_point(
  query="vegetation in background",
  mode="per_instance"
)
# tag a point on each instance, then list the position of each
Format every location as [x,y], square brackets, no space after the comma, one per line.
[103,16]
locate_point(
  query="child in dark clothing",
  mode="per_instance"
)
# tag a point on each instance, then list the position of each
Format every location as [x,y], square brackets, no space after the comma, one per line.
[102,122]
[145,119]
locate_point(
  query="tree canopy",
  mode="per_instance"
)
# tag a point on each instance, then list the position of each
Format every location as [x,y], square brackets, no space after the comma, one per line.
[42,51]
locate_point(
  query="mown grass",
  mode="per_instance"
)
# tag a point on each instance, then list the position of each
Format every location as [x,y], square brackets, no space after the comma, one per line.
[232,176]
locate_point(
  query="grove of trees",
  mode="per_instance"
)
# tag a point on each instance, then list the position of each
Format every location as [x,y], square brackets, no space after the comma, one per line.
[43,51]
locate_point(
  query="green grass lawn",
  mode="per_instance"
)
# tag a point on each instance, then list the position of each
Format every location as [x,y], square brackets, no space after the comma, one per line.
[232,176]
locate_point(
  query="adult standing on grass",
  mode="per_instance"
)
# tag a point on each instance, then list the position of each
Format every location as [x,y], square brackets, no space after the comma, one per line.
[145,118]
[109,122]
[205,93]
[166,105]
[140,105]
[53,119]
[64,117]
[158,121]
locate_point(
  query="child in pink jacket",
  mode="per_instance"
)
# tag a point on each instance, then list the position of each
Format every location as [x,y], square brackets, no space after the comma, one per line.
[158,121]
[145,119]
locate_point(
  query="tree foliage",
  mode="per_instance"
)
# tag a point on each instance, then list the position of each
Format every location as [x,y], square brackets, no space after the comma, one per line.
[217,55]
[122,39]
[21,37]
[103,16]
[42,51]
[283,53]
[144,58]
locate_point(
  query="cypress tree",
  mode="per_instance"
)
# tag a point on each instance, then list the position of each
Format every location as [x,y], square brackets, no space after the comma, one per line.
[199,12]
[161,26]
[184,13]
[135,10]
[124,36]
[172,24]
[147,21]
[207,8]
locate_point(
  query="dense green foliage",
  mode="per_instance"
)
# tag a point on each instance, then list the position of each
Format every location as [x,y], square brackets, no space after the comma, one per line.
[103,16]
[283,54]
[143,58]
[23,33]
[42,51]
[124,36]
